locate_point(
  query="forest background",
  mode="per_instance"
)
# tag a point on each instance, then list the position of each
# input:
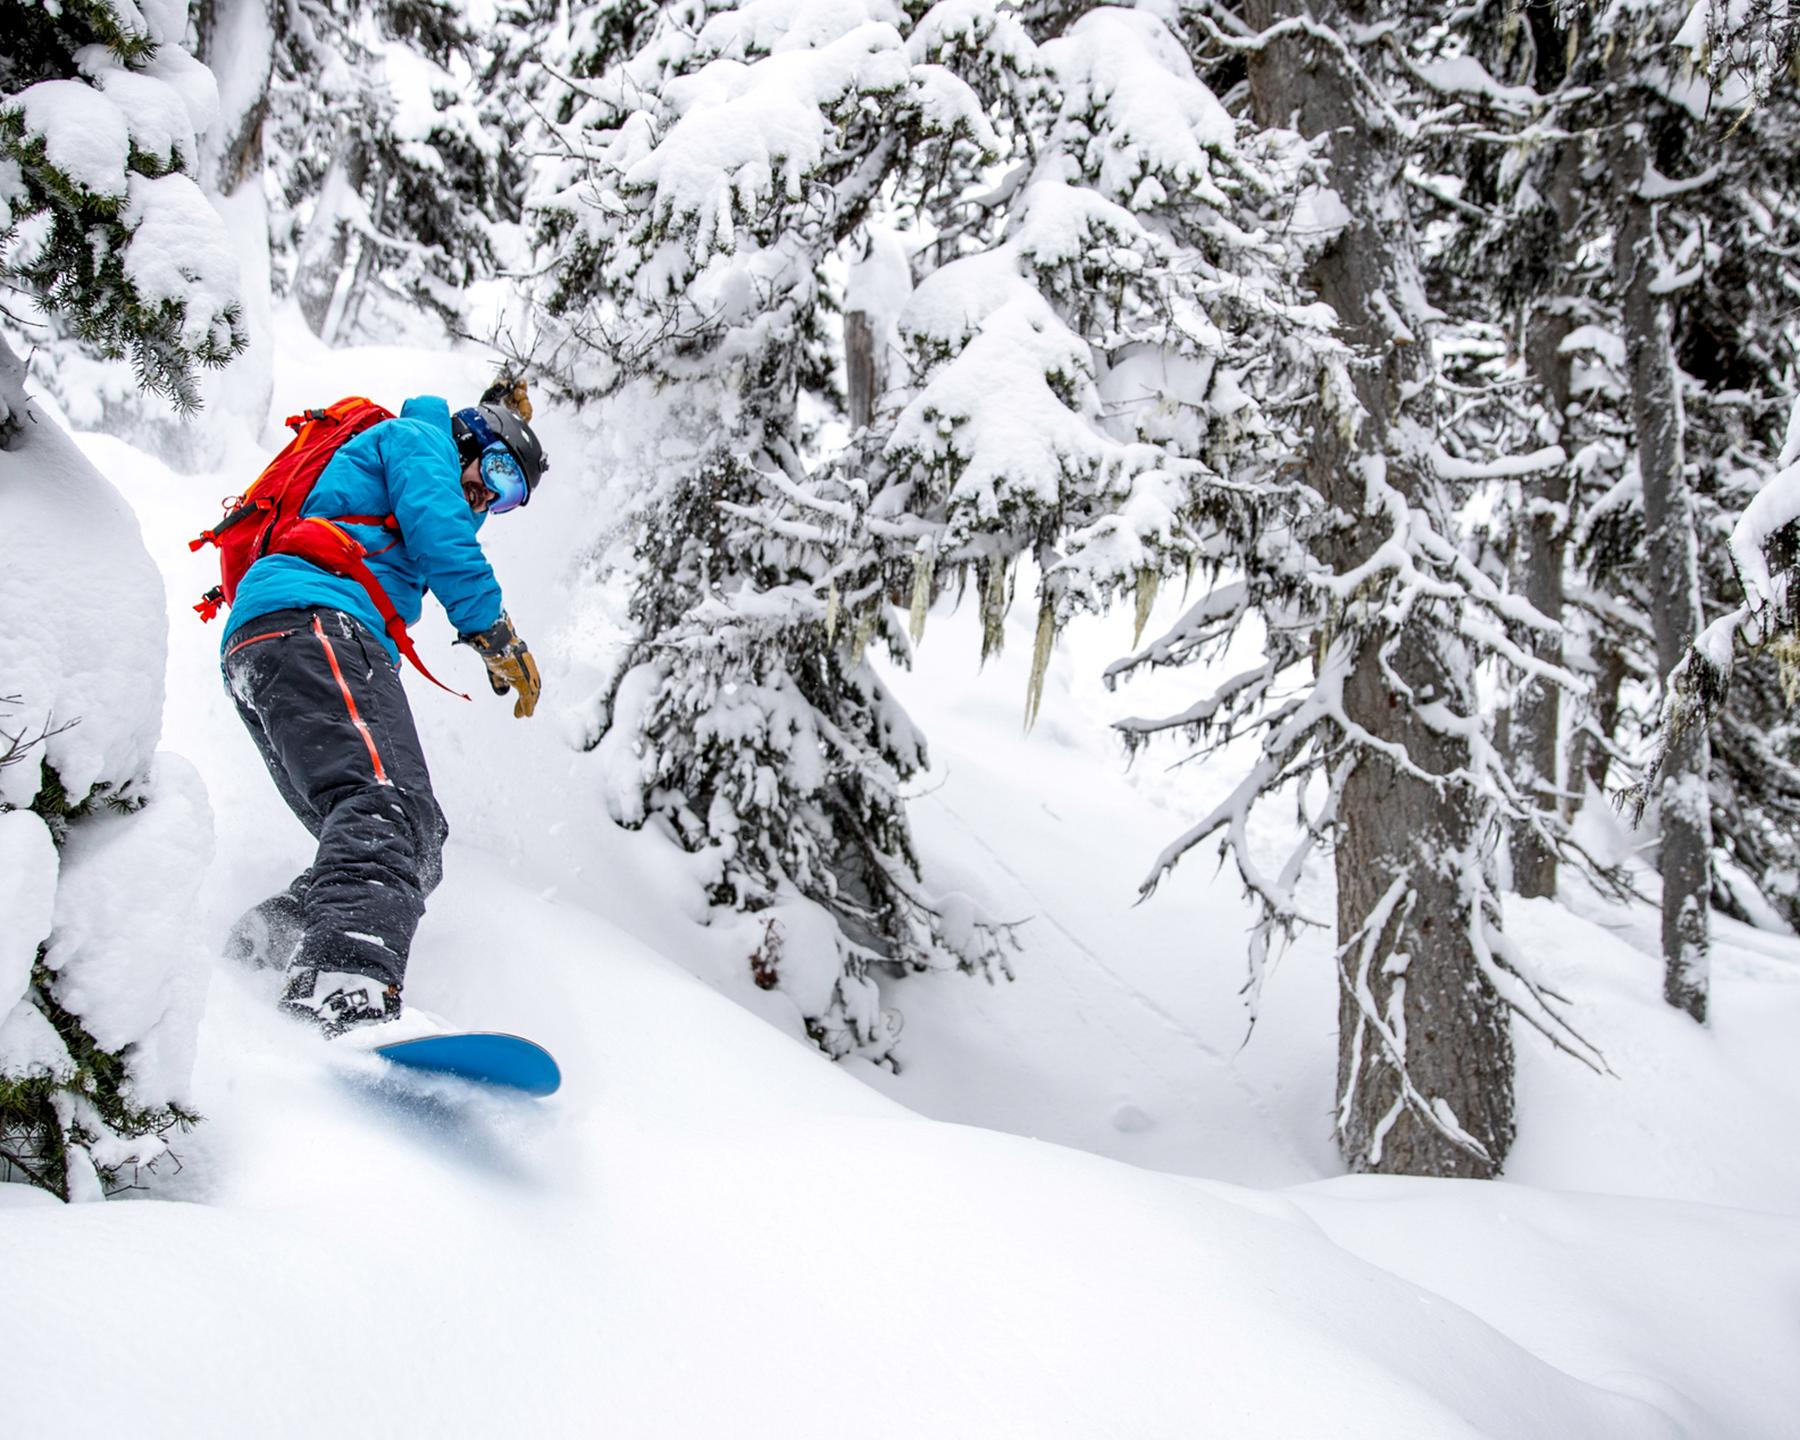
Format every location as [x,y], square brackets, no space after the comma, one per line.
[1445,360]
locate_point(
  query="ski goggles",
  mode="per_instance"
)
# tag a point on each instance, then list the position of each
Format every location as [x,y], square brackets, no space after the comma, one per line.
[501,471]
[504,478]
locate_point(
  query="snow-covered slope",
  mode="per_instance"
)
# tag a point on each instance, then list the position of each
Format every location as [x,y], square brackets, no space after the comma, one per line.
[715,1232]
[712,1231]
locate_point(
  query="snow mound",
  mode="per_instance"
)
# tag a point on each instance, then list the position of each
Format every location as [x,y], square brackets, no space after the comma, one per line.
[82,647]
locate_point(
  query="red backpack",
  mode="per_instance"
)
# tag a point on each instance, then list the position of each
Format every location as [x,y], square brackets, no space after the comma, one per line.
[266,520]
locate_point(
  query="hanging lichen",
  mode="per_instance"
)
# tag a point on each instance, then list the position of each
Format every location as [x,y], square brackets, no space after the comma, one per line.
[832,607]
[1785,647]
[865,631]
[1147,582]
[1510,29]
[1334,614]
[1040,660]
[921,596]
[993,607]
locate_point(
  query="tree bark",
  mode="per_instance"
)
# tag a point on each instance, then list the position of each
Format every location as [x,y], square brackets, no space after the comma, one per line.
[1535,737]
[233,152]
[322,275]
[862,369]
[1597,759]
[1407,908]
[1672,570]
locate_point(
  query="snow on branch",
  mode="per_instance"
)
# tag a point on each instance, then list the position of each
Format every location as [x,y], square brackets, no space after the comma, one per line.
[1657,186]
[1511,975]
[1505,467]
[1334,42]
[1764,549]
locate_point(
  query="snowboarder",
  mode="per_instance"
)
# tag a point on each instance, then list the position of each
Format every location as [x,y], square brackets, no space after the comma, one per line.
[315,676]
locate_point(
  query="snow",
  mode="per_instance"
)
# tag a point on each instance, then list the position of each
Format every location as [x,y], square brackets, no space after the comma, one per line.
[1513,1254]
[179,254]
[1128,65]
[27,900]
[100,138]
[1320,216]
[747,132]
[414,83]
[85,135]
[242,30]
[155,114]
[1773,507]
[1084,1206]
[631,1249]
[123,945]
[83,630]
[191,80]
[1465,75]
[996,452]
[81,645]
[880,283]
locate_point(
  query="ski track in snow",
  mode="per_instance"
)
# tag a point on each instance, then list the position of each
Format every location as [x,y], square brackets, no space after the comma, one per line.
[1121,1034]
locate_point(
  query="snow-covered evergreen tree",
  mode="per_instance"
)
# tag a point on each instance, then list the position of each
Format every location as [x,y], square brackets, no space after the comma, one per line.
[365,158]
[102,841]
[101,222]
[1374,618]
[720,159]
[1582,248]
[1740,363]
[391,133]
[1081,373]
[1508,254]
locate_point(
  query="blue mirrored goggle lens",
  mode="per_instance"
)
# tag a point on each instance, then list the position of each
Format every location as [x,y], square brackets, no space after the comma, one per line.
[505,478]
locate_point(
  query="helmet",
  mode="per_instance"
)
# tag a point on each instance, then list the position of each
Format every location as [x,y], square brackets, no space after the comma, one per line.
[481,427]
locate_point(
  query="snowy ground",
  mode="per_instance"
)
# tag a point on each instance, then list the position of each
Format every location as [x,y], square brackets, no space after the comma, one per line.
[713,1231]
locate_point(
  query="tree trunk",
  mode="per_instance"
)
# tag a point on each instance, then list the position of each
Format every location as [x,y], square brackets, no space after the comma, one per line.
[1407,902]
[1536,734]
[1597,759]
[1672,571]
[862,368]
[235,33]
[323,270]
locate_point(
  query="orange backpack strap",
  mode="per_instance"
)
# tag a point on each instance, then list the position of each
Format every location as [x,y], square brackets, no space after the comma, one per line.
[274,502]
[349,408]
[331,548]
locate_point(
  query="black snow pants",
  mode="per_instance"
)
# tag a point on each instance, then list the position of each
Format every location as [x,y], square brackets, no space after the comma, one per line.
[324,705]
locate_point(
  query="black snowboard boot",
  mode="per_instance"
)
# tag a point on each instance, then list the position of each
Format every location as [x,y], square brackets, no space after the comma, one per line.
[337,1001]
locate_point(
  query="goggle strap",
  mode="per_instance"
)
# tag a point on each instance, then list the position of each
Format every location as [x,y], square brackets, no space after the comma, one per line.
[479,428]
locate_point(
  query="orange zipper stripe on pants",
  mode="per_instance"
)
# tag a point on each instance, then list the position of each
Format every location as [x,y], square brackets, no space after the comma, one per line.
[266,635]
[350,704]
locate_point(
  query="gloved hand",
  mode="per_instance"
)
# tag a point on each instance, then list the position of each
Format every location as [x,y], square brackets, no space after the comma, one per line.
[509,663]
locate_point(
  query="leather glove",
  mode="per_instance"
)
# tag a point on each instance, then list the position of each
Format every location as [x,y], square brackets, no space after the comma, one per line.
[509,663]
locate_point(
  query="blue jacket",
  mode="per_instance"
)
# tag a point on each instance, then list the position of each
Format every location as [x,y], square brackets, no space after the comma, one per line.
[406,467]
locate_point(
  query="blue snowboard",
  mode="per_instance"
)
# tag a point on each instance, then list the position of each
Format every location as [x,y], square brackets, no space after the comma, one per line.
[485,1056]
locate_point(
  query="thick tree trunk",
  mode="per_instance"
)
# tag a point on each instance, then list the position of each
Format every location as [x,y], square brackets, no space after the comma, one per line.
[1673,573]
[1407,907]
